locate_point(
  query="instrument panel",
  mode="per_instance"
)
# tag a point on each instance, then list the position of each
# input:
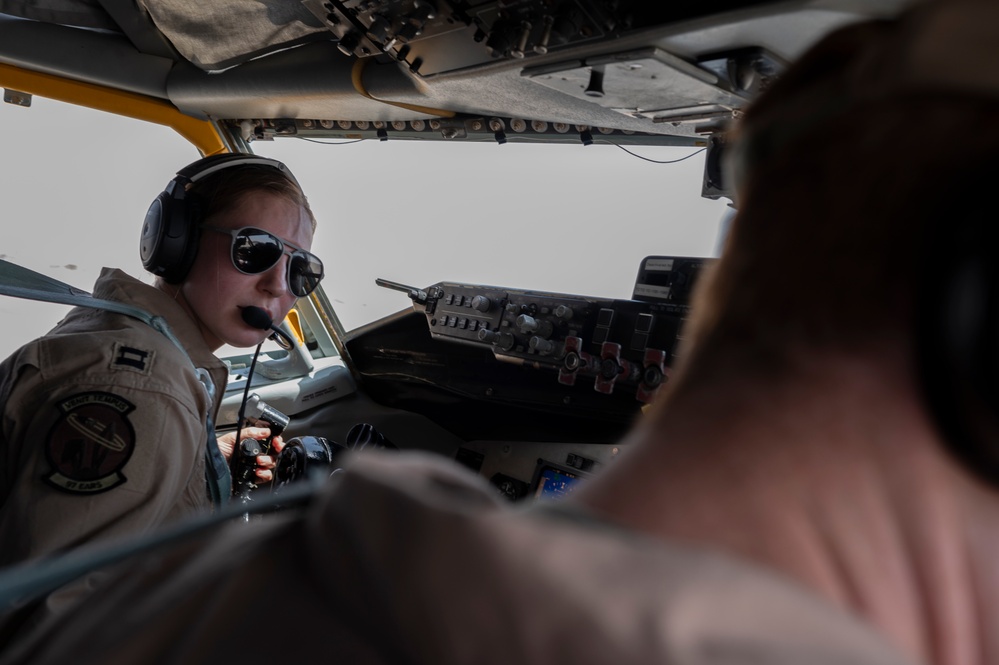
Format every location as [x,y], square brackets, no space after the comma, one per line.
[530,470]
[536,389]
[612,344]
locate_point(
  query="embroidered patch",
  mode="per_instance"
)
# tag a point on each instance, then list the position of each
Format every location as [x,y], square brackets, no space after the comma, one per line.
[131,359]
[90,443]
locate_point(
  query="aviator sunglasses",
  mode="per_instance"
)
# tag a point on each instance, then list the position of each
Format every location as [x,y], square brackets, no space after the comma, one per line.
[255,251]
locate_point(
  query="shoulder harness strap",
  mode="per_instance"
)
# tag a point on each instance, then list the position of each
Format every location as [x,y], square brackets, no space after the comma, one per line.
[20,282]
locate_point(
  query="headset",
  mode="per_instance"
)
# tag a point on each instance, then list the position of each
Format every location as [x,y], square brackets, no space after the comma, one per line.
[170,233]
[957,326]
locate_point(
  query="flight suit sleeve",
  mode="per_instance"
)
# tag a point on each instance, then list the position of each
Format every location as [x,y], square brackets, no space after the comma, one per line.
[101,453]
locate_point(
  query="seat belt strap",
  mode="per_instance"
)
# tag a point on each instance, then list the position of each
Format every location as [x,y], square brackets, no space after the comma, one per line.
[25,582]
[21,282]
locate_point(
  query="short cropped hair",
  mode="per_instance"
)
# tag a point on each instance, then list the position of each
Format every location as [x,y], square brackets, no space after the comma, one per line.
[836,226]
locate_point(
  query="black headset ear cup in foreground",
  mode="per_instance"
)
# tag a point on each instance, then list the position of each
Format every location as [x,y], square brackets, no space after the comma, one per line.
[169,241]
[958,330]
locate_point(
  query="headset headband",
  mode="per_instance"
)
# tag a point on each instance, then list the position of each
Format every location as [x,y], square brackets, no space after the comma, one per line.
[206,166]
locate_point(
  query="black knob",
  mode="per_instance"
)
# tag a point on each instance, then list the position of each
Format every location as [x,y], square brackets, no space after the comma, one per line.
[499,41]
[652,376]
[408,32]
[596,85]
[364,435]
[424,11]
[503,340]
[379,27]
[349,43]
[481,303]
[609,368]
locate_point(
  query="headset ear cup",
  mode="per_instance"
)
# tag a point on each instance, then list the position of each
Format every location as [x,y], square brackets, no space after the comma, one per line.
[151,239]
[958,336]
[188,250]
[169,241]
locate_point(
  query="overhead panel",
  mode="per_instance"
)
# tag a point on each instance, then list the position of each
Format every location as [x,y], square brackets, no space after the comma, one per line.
[433,37]
[653,84]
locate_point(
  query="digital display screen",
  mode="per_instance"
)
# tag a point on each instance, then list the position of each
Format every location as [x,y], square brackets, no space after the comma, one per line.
[553,483]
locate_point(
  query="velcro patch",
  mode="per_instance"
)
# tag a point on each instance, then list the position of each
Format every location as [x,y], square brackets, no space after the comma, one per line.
[90,443]
[132,359]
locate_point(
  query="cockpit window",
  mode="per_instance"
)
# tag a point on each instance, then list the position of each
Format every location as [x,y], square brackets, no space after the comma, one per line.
[562,218]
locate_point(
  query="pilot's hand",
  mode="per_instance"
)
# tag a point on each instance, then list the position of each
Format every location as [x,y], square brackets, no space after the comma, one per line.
[267,462]
[227,443]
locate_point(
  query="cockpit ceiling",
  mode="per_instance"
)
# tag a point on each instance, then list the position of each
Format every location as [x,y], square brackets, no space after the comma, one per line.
[677,69]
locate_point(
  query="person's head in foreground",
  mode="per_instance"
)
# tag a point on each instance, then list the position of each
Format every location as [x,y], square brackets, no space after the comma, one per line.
[835,413]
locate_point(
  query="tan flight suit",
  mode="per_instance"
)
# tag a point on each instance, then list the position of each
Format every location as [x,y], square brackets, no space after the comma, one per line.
[410,559]
[104,426]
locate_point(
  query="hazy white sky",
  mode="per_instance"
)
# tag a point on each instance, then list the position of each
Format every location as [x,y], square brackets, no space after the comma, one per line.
[76,183]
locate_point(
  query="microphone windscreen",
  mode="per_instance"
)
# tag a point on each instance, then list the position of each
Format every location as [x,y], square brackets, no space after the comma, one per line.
[256,317]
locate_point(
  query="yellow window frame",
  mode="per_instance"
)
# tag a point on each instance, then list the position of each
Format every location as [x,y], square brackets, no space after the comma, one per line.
[202,133]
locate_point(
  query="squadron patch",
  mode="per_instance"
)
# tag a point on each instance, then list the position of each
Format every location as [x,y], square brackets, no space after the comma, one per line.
[131,359]
[90,443]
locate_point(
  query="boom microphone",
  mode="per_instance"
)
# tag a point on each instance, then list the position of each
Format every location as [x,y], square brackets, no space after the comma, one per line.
[258,318]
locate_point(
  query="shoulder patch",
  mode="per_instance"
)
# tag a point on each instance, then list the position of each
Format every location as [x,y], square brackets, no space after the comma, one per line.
[90,443]
[131,359]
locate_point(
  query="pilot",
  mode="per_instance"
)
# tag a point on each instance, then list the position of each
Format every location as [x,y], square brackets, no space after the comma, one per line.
[809,490]
[107,421]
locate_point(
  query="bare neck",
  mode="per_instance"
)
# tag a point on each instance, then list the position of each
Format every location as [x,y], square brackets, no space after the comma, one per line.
[836,481]
[177,293]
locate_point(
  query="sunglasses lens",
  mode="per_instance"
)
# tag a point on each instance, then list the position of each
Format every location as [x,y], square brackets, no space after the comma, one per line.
[254,251]
[304,273]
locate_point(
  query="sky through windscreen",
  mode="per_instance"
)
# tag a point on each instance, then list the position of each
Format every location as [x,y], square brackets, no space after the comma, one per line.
[76,184]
